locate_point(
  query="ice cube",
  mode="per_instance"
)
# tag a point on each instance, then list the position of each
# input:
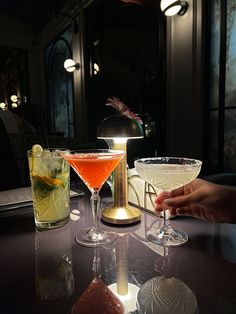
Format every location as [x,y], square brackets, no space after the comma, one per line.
[57,153]
[46,153]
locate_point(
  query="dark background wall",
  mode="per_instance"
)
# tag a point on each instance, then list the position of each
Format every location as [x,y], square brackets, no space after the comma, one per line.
[185,82]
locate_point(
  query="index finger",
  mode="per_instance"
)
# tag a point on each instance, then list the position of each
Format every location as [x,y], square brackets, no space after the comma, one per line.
[177,192]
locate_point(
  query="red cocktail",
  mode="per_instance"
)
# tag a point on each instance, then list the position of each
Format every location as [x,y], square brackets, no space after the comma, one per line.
[94,167]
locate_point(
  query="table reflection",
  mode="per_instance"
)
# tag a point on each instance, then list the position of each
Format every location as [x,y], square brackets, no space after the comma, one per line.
[97,297]
[53,264]
[125,287]
[165,294]
[205,265]
[162,293]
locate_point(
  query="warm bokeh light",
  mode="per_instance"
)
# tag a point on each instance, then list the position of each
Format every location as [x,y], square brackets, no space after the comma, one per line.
[95,68]
[3,106]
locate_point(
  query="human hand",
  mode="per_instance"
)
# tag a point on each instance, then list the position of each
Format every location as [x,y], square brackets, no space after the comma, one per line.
[200,199]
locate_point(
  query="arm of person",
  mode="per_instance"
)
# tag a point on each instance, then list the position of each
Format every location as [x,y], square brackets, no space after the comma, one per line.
[200,199]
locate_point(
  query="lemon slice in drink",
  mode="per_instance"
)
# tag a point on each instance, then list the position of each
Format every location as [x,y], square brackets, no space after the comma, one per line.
[36,150]
[48,181]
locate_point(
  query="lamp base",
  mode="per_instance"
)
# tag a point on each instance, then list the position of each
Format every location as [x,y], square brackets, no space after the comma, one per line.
[121,215]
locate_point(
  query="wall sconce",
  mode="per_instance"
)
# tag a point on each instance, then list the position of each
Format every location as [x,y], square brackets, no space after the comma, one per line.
[172,7]
[14,98]
[70,65]
[3,106]
[116,130]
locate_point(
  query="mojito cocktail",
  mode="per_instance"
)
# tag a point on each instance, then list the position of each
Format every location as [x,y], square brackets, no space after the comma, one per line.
[50,182]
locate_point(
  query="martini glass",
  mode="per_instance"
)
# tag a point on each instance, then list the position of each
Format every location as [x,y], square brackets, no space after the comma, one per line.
[167,173]
[94,167]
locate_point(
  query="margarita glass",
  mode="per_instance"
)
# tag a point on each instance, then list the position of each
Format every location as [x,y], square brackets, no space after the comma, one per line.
[167,173]
[94,167]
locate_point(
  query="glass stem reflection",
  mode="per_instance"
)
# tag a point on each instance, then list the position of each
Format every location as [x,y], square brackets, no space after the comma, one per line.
[165,266]
[97,263]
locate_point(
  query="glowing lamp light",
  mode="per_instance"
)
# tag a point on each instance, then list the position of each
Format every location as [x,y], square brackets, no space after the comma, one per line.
[70,65]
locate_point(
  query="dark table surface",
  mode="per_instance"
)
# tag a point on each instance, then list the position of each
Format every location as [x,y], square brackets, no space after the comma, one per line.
[47,272]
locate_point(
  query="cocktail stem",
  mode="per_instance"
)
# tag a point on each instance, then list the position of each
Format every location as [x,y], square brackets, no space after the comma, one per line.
[95,204]
[166,224]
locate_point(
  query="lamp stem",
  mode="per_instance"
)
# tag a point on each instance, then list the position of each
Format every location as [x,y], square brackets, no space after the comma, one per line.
[120,183]
[121,212]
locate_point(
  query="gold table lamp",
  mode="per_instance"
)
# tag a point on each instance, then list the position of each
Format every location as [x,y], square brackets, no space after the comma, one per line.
[116,130]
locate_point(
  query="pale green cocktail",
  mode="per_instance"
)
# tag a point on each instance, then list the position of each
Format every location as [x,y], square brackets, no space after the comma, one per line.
[50,182]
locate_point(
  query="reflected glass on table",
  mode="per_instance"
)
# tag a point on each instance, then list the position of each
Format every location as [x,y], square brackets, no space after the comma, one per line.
[166,294]
[53,264]
[97,297]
